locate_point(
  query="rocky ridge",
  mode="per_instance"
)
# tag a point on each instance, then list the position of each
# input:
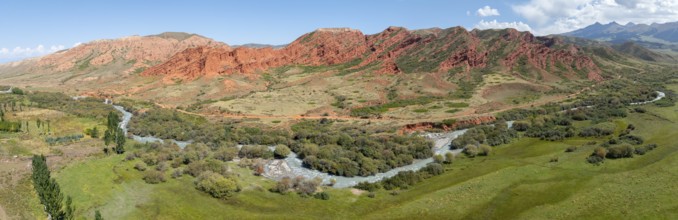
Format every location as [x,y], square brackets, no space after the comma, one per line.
[394,50]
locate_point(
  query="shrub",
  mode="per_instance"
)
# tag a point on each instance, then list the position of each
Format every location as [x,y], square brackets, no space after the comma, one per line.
[449,157]
[402,180]
[371,194]
[520,126]
[128,157]
[217,185]
[571,149]
[434,169]
[150,159]
[599,152]
[162,167]
[639,110]
[197,168]
[322,195]
[595,159]
[640,151]
[226,154]
[255,151]
[140,167]
[471,150]
[371,187]
[177,173]
[154,177]
[633,139]
[553,159]
[308,187]
[484,150]
[283,186]
[438,158]
[620,151]
[281,151]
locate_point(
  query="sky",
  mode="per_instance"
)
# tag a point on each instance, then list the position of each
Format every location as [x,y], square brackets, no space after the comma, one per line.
[31,28]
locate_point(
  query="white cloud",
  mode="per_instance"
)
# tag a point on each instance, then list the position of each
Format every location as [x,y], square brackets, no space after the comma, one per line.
[559,16]
[21,52]
[487,11]
[77,44]
[494,24]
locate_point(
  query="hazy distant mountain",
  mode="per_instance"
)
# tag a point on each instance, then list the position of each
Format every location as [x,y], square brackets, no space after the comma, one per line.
[660,37]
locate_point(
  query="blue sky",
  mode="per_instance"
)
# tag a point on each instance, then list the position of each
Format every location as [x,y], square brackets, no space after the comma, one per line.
[33,28]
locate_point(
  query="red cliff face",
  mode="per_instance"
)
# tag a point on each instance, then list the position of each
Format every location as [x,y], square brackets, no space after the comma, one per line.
[392,51]
[321,47]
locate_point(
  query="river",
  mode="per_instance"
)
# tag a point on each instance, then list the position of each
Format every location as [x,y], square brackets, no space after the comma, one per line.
[660,95]
[292,166]
[127,116]
[7,91]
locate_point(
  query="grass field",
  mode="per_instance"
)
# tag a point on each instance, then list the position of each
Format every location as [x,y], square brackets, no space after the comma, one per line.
[517,181]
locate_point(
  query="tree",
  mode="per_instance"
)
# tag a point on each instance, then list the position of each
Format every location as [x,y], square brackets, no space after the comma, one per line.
[49,191]
[114,134]
[97,215]
[119,141]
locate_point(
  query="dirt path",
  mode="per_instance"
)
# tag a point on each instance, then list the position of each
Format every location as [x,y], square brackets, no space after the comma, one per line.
[3,214]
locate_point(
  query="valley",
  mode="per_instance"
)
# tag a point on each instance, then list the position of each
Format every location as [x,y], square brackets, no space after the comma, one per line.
[430,123]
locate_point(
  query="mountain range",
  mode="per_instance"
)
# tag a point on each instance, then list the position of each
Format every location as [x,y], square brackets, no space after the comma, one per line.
[176,67]
[659,37]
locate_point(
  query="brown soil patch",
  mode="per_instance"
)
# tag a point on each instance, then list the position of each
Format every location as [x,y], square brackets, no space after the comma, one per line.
[357,192]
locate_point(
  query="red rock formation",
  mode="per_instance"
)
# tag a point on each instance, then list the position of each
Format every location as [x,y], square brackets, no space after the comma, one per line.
[321,47]
[389,51]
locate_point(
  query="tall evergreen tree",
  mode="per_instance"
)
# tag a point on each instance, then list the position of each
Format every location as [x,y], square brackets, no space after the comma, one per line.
[119,141]
[49,191]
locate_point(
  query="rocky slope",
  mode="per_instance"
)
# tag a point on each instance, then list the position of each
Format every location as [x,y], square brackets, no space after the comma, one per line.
[395,50]
[141,52]
[125,55]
